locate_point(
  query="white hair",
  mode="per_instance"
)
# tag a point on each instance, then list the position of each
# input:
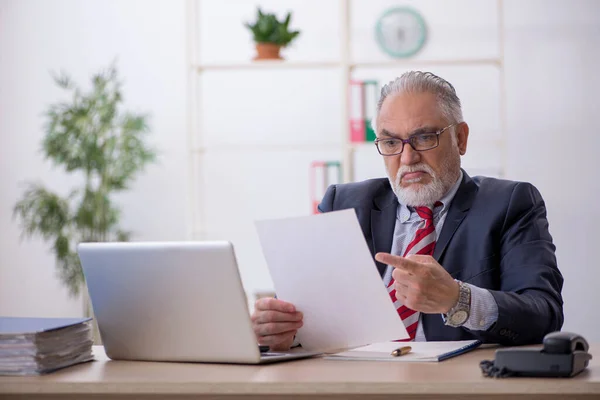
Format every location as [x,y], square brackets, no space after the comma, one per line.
[424,82]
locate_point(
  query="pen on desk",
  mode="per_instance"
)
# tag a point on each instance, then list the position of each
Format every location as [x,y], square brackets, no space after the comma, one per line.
[400,351]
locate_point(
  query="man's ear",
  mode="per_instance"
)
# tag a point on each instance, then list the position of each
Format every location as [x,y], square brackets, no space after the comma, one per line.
[462,136]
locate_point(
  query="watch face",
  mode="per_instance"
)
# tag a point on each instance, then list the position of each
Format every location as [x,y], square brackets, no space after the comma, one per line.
[459,317]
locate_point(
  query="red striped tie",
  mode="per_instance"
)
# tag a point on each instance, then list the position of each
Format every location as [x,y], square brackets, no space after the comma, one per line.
[423,243]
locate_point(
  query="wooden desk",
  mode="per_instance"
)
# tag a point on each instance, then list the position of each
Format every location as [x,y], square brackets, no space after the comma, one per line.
[304,379]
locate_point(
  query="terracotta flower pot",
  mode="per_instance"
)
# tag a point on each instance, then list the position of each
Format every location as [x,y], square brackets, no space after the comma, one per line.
[267,51]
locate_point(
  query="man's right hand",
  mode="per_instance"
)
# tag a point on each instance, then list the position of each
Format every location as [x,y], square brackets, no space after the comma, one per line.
[275,323]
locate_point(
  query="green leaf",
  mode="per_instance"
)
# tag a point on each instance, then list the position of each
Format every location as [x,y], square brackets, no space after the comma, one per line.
[41,212]
[62,80]
[268,29]
[61,247]
[70,273]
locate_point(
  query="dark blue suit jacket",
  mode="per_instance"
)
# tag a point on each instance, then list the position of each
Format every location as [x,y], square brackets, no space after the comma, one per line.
[495,236]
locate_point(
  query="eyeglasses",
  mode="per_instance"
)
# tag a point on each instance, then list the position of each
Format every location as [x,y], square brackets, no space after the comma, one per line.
[419,142]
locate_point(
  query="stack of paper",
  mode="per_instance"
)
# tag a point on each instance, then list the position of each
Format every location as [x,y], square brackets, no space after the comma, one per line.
[32,346]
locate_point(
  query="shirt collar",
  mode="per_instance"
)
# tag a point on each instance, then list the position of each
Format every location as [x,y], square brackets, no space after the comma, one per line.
[404,212]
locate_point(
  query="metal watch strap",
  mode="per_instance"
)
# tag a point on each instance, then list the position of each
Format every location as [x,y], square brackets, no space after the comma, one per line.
[462,309]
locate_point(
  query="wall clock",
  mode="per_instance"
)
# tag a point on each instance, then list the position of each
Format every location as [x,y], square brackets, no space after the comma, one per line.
[401,32]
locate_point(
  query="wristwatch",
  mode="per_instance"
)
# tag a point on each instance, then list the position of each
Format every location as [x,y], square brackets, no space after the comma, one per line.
[459,314]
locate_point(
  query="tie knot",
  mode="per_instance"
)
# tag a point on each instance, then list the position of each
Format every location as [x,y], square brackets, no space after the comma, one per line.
[426,212]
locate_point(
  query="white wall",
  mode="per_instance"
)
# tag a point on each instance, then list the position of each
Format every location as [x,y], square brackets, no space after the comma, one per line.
[36,37]
[552,58]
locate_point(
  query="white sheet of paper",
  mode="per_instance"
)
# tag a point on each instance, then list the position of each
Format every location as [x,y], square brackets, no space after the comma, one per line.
[322,265]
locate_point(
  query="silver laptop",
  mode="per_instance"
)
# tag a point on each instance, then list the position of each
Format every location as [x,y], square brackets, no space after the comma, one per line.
[172,301]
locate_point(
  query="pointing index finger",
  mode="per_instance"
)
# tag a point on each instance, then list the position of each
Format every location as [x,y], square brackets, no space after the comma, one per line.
[396,261]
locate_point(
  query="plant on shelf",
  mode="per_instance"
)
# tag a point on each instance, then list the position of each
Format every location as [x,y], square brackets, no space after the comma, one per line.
[270,35]
[102,147]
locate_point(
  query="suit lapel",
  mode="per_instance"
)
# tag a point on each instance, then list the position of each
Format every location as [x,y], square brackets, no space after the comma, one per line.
[432,323]
[383,222]
[458,211]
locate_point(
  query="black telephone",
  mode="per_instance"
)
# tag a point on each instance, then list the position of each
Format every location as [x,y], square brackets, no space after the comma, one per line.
[564,354]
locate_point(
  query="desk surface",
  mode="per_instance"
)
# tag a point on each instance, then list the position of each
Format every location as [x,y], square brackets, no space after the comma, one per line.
[314,378]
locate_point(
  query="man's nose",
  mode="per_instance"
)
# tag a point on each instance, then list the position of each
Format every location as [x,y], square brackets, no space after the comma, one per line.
[409,156]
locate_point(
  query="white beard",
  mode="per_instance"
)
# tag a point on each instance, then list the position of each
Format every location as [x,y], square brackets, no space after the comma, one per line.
[426,195]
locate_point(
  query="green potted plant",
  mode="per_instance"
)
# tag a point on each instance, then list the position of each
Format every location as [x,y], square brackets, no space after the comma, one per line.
[91,138]
[270,35]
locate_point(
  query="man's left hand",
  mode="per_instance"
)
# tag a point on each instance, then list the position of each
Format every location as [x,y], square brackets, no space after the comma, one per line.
[421,283]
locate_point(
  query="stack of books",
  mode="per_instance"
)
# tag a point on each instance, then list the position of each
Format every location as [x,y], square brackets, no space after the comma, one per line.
[34,346]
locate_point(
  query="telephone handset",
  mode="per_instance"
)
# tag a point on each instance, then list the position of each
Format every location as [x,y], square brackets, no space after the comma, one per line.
[563,354]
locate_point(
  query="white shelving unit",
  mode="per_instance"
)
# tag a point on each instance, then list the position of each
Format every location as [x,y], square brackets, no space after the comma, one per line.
[346,66]
[267,64]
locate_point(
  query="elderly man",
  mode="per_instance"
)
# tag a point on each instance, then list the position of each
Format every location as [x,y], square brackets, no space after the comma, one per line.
[462,258]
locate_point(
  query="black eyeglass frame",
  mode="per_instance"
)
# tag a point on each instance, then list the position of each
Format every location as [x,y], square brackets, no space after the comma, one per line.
[411,139]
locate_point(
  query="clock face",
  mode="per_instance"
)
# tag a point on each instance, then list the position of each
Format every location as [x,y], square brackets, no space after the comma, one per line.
[401,32]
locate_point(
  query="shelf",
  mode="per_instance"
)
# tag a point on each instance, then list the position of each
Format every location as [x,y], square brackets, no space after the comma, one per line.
[240,148]
[284,64]
[412,62]
[267,64]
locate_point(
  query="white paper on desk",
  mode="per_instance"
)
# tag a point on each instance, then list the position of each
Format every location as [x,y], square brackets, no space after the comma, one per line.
[420,351]
[322,265]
